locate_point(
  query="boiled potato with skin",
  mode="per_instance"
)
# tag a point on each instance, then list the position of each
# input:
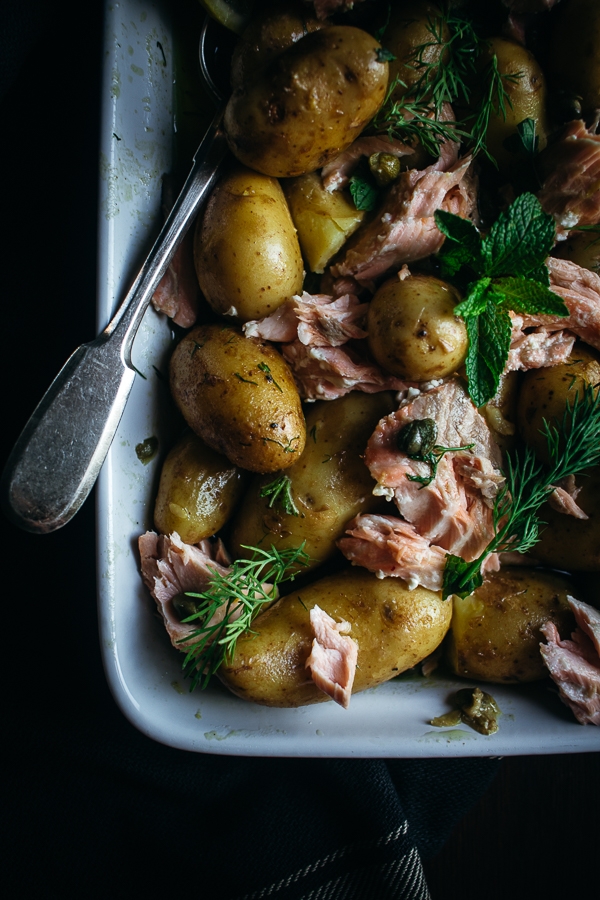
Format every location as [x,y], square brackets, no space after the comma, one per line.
[246,251]
[395,629]
[198,490]
[495,633]
[309,104]
[568,542]
[413,331]
[273,29]
[410,26]
[500,412]
[527,95]
[329,484]
[545,393]
[323,220]
[574,62]
[238,394]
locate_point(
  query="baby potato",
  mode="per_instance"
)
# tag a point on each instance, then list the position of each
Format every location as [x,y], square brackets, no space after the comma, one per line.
[324,220]
[238,394]
[573,58]
[246,251]
[495,633]
[413,332]
[309,104]
[273,29]
[546,392]
[570,543]
[198,490]
[527,96]
[500,412]
[395,629]
[329,484]
[410,27]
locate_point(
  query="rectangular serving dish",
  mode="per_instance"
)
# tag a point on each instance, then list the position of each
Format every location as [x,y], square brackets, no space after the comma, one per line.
[143,670]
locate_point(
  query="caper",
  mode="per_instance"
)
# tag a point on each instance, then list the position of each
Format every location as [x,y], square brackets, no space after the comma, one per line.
[385,168]
[185,606]
[417,438]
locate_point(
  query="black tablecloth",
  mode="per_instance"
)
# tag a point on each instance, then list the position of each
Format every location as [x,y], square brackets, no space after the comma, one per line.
[92,807]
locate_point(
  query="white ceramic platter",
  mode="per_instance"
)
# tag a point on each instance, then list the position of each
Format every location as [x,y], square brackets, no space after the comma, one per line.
[143,670]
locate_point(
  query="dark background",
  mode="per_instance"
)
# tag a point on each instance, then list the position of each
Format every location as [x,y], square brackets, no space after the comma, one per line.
[91,803]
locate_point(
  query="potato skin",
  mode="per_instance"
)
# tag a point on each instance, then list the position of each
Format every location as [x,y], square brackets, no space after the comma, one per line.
[239,396]
[570,543]
[330,483]
[270,31]
[545,393]
[495,633]
[408,29]
[527,95]
[198,490]
[246,251]
[394,628]
[581,247]
[309,104]
[413,332]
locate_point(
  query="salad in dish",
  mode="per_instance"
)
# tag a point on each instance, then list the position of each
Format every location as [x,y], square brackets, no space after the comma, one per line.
[393,417]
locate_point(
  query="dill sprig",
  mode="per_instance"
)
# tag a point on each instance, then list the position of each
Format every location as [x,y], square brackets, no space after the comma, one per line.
[280,491]
[239,595]
[573,446]
[450,76]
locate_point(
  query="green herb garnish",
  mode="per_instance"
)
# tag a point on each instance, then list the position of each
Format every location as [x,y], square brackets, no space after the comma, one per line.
[245,380]
[280,491]
[264,368]
[243,591]
[364,193]
[573,446]
[510,274]
[451,76]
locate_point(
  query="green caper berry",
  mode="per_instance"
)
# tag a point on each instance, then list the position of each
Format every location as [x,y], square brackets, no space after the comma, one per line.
[417,438]
[384,167]
[184,606]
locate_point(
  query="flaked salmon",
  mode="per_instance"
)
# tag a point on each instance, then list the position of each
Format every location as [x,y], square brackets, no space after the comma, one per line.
[404,230]
[574,665]
[453,511]
[333,658]
[171,567]
[314,319]
[391,547]
[571,191]
[325,373]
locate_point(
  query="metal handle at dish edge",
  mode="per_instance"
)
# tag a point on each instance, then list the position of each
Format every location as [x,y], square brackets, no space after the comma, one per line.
[60,452]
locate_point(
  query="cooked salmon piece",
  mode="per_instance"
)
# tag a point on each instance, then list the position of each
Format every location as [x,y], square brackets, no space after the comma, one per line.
[571,192]
[404,229]
[537,349]
[171,567]
[564,496]
[574,665]
[314,319]
[325,373]
[336,173]
[178,291]
[454,511]
[390,547]
[332,661]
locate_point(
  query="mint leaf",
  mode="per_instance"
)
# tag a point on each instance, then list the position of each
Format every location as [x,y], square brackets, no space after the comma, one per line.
[476,300]
[524,142]
[489,343]
[520,239]
[364,194]
[459,578]
[463,244]
[523,295]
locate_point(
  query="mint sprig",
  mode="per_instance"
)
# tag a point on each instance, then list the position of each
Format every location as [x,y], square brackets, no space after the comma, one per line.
[511,276]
